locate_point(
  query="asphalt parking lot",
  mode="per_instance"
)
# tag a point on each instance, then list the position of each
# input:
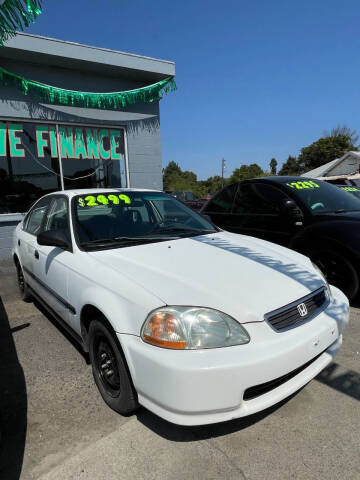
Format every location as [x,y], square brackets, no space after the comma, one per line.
[54,424]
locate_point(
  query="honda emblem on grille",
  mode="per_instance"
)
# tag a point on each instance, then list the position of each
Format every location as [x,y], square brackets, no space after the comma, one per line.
[302,309]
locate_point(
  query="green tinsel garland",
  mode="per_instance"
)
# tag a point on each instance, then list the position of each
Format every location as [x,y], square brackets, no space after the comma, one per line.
[16,15]
[107,101]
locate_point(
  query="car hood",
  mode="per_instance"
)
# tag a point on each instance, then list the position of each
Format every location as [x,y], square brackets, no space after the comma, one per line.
[242,276]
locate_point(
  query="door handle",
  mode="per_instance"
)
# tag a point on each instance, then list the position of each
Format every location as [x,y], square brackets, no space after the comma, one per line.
[36,254]
[19,243]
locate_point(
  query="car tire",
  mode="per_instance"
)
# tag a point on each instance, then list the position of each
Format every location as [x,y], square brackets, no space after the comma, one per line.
[338,270]
[22,285]
[110,370]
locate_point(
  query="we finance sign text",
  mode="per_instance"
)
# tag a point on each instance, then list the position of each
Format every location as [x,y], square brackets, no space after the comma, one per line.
[69,142]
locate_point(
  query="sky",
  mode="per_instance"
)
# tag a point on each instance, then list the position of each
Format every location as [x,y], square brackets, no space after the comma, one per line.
[256,79]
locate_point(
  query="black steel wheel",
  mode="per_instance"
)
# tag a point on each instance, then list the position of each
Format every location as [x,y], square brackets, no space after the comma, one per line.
[109,368]
[23,288]
[338,270]
[106,364]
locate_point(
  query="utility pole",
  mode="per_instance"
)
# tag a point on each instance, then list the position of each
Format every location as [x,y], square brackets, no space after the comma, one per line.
[223,167]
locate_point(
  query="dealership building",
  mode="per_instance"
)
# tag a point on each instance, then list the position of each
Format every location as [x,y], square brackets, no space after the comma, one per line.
[49,145]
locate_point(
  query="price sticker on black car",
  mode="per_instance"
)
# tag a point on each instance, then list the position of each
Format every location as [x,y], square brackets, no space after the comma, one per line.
[303,185]
[350,189]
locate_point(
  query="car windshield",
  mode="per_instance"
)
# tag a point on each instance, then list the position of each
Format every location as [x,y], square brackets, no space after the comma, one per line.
[123,218]
[321,197]
[353,190]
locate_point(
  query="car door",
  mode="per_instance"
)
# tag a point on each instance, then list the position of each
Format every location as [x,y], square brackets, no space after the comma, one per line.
[27,243]
[219,208]
[259,210]
[52,263]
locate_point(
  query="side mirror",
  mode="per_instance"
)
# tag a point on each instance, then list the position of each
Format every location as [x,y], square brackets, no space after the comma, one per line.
[291,209]
[54,238]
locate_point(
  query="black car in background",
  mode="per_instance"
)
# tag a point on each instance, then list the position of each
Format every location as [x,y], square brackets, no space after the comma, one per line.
[315,218]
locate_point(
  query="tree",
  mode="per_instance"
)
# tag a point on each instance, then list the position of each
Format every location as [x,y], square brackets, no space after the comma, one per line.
[200,190]
[212,184]
[290,167]
[189,176]
[273,165]
[170,170]
[246,171]
[343,130]
[324,150]
[175,179]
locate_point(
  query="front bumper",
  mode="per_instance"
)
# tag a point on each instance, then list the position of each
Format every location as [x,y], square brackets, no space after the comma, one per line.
[195,387]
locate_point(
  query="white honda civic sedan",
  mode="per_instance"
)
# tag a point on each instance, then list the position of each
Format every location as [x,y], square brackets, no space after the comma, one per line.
[194,323]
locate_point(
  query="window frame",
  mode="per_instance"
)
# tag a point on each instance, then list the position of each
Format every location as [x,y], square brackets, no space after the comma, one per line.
[28,214]
[58,124]
[262,214]
[68,204]
[208,211]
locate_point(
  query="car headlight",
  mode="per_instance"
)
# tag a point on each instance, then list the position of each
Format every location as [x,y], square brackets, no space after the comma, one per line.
[324,279]
[191,328]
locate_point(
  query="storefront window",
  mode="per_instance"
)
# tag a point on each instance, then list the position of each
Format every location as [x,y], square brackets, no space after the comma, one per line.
[92,157]
[31,157]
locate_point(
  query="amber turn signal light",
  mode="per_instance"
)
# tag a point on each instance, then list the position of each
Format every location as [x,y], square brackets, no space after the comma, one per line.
[164,330]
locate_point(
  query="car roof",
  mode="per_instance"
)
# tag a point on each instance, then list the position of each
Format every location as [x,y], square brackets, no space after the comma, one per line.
[282,179]
[95,191]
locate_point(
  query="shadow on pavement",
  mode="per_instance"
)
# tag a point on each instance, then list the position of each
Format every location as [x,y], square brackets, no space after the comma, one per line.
[178,433]
[13,404]
[63,331]
[347,382]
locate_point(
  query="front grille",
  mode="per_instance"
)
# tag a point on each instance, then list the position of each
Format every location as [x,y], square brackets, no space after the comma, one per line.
[257,390]
[289,316]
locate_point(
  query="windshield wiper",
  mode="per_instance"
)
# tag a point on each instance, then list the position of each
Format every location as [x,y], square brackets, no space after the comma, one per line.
[119,240]
[191,231]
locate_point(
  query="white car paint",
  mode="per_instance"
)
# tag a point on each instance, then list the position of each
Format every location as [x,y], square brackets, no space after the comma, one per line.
[241,276]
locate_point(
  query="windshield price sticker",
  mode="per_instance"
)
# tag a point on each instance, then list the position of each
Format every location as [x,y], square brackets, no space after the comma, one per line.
[92,201]
[302,185]
[350,189]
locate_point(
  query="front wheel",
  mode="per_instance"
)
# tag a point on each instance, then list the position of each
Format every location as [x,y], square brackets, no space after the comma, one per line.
[338,270]
[110,370]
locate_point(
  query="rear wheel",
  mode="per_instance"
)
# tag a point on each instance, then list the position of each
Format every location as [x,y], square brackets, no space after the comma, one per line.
[338,270]
[23,288]
[110,370]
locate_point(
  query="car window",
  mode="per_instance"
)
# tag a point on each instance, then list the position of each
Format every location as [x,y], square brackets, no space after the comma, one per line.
[258,199]
[322,197]
[58,215]
[189,196]
[179,195]
[351,189]
[222,202]
[108,215]
[140,211]
[34,218]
